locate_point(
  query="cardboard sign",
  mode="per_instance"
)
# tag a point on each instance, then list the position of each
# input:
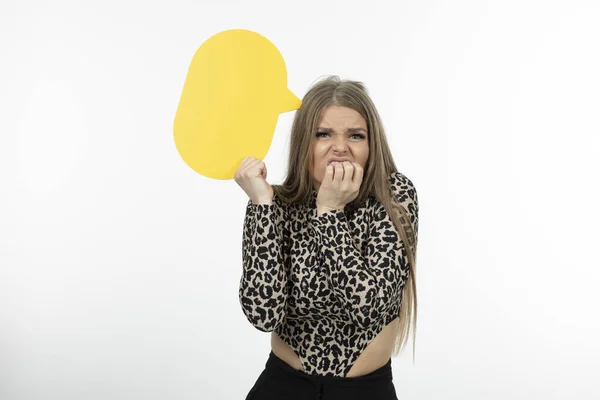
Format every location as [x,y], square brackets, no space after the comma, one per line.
[234,91]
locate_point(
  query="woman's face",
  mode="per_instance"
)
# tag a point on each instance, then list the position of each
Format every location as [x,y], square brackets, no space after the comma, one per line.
[341,133]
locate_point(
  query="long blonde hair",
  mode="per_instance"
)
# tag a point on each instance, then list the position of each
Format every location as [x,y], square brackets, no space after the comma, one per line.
[298,185]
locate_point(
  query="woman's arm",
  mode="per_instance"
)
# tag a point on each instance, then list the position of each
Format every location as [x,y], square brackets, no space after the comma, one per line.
[367,285]
[263,289]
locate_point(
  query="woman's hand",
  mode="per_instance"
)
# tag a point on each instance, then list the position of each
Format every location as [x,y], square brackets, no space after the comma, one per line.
[340,186]
[251,176]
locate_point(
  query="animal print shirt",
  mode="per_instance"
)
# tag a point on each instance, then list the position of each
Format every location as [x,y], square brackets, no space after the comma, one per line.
[328,284]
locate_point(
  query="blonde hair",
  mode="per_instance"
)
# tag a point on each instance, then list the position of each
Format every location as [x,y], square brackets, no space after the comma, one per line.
[298,185]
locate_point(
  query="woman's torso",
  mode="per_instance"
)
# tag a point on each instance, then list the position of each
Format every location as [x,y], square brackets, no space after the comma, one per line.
[301,248]
[376,354]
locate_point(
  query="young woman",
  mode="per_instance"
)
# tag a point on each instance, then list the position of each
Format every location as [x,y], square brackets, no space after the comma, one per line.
[329,255]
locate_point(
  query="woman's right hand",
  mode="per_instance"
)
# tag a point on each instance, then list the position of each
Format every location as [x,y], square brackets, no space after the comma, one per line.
[251,176]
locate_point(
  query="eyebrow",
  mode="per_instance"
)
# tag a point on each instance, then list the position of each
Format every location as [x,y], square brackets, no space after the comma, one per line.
[350,130]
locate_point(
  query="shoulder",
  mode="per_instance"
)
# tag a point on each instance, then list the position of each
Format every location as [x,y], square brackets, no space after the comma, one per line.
[403,192]
[402,187]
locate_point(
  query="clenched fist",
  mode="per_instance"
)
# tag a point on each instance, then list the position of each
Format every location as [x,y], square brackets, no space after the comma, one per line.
[251,176]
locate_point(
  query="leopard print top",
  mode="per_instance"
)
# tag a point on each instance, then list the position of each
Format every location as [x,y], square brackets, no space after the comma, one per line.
[328,284]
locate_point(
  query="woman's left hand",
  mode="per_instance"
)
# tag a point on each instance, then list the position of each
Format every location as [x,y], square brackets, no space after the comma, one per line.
[340,185]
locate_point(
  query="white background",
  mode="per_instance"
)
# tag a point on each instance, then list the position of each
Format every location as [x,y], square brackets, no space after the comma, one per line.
[119,265]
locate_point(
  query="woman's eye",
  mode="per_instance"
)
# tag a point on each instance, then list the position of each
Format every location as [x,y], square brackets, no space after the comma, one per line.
[354,135]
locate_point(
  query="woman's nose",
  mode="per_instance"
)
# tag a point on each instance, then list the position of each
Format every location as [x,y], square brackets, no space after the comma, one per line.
[340,144]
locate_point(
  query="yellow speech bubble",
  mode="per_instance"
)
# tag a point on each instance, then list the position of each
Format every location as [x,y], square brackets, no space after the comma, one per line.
[234,91]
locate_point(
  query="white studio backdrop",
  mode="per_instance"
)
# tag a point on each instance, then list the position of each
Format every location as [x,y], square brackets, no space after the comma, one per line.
[119,265]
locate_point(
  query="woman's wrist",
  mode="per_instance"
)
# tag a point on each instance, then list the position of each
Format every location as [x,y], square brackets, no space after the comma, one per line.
[263,200]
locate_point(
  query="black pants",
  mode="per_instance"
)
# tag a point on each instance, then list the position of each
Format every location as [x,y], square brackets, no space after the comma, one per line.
[280,381]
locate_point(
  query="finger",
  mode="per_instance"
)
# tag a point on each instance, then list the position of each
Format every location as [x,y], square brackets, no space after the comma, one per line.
[248,161]
[339,173]
[255,163]
[264,171]
[262,168]
[254,168]
[344,182]
[328,174]
[241,167]
[245,164]
[358,173]
[348,171]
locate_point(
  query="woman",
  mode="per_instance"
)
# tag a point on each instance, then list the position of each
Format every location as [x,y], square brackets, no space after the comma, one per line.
[329,255]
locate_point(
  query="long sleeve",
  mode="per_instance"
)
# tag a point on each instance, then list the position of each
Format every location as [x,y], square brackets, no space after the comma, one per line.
[406,195]
[263,285]
[367,284]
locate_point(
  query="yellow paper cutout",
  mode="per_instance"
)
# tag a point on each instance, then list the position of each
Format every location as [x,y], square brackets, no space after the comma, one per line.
[234,91]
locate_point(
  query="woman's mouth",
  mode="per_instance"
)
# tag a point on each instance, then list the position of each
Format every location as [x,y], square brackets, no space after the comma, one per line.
[336,160]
